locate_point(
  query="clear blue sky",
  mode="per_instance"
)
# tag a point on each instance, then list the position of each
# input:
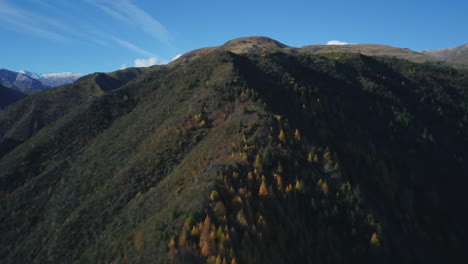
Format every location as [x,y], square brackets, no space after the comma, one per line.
[86,36]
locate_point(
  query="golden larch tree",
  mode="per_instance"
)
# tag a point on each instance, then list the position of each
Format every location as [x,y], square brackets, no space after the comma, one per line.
[297,135]
[263,191]
[281,136]
[375,240]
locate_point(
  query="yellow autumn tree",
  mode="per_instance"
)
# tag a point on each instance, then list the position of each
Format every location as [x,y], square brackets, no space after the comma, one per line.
[375,240]
[233,261]
[297,135]
[218,260]
[172,250]
[263,191]
[325,188]
[310,158]
[183,238]
[205,237]
[316,159]
[258,162]
[281,136]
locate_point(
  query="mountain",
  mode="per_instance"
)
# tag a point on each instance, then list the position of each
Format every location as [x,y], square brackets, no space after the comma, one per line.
[20,82]
[51,80]
[257,44]
[457,55]
[9,96]
[263,156]
[24,119]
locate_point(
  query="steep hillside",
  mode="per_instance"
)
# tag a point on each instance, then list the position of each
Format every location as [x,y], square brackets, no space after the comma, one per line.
[457,55]
[262,157]
[22,120]
[9,96]
[20,82]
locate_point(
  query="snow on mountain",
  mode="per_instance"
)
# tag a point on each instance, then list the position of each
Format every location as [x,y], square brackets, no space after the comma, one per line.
[54,79]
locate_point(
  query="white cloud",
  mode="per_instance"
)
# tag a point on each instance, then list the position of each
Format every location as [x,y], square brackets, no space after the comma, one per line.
[176,57]
[337,42]
[123,67]
[126,11]
[147,62]
[154,61]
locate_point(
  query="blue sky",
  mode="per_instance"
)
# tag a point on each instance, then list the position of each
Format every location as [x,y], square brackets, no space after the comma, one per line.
[87,36]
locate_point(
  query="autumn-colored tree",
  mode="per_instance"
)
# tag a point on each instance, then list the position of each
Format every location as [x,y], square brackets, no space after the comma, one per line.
[279,181]
[298,185]
[172,250]
[250,176]
[375,240]
[263,191]
[202,123]
[233,261]
[297,135]
[195,231]
[183,238]
[218,260]
[281,136]
[310,158]
[214,195]
[325,188]
[316,159]
[280,168]
[205,237]
[258,162]
[138,241]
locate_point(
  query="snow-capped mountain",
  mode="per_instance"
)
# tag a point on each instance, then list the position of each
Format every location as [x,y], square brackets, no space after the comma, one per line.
[19,81]
[53,79]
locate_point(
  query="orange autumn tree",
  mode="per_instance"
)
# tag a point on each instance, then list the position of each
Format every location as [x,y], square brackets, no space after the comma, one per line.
[263,191]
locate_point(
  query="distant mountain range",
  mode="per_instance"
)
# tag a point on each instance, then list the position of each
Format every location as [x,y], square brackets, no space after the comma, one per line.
[50,80]
[29,82]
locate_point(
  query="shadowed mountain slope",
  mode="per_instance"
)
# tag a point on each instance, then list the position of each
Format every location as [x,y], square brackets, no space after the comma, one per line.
[9,96]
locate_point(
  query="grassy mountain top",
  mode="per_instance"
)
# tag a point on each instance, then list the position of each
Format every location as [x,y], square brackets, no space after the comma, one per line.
[258,157]
[257,44]
[456,55]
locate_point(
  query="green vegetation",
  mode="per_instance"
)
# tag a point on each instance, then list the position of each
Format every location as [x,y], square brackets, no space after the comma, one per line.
[259,157]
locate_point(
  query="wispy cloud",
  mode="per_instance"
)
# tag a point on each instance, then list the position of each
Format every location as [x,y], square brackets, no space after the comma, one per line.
[132,47]
[21,20]
[337,42]
[126,11]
